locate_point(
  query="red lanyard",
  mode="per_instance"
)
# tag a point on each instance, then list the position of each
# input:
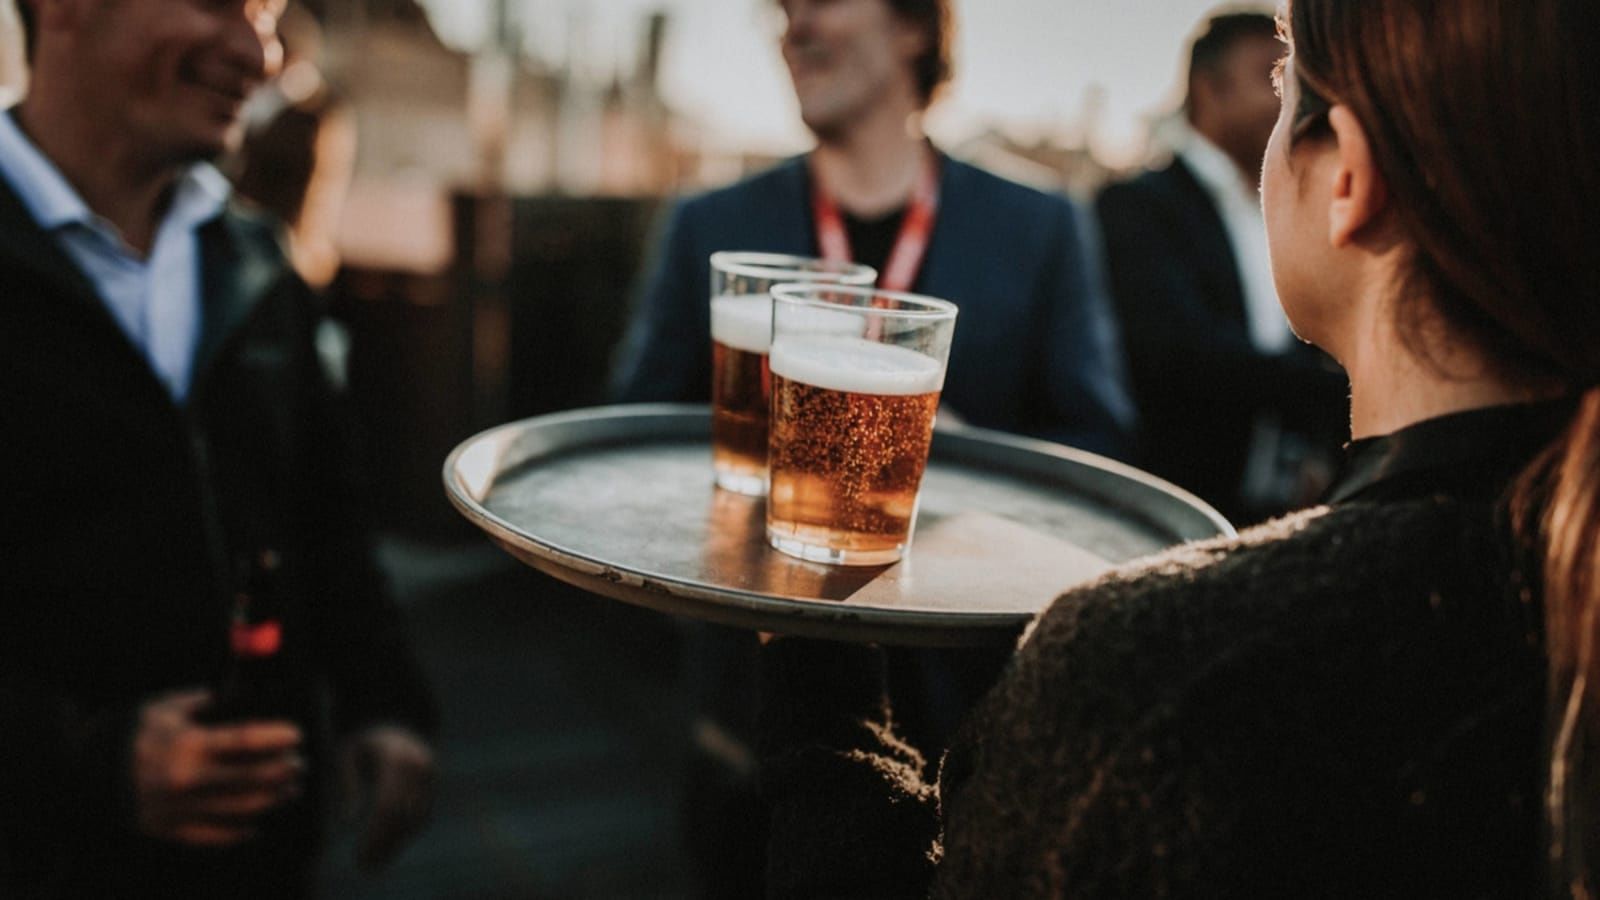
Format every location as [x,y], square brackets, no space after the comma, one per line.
[909,247]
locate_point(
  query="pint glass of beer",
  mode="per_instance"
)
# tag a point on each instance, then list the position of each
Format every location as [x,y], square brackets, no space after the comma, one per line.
[741,330]
[852,418]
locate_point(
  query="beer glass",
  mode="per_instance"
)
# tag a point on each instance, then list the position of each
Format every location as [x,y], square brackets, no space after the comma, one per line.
[852,418]
[741,330]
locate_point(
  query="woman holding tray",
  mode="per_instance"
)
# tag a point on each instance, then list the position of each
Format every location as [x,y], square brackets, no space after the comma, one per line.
[1390,694]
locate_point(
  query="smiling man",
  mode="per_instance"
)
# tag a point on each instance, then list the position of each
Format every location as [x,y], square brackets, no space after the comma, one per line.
[1035,351]
[178,517]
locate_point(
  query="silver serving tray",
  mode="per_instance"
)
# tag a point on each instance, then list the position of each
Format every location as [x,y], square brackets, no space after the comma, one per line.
[619,501]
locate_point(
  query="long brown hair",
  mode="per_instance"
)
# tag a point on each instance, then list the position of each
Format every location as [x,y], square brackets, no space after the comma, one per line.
[1484,119]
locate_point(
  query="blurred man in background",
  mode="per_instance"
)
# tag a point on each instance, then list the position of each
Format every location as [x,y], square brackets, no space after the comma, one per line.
[1035,350]
[179,513]
[1232,406]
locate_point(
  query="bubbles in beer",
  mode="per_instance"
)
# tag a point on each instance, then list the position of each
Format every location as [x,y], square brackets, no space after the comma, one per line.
[741,333]
[851,425]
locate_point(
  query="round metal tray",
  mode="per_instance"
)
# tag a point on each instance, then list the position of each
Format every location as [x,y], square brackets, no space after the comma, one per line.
[619,501]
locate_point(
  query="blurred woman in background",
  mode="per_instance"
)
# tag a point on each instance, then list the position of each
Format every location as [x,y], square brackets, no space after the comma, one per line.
[1390,694]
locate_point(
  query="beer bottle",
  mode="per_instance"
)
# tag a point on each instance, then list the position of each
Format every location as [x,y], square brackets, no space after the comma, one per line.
[253,685]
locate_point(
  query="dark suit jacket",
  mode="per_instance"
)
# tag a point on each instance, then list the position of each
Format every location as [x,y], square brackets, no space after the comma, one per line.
[1035,347]
[123,515]
[1198,380]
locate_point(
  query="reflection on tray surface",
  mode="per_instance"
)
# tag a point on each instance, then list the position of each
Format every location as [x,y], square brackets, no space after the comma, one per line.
[736,550]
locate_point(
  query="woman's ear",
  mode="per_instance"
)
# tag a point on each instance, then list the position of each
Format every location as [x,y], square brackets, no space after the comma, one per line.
[1360,195]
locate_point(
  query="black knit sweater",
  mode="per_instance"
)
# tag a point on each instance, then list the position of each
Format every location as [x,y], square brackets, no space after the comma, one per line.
[1345,702]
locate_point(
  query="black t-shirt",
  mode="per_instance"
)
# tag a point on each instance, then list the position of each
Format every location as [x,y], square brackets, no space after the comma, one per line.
[872,240]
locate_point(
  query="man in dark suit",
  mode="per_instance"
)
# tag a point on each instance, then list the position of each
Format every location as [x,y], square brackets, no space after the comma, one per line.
[186,591]
[1232,406]
[1035,349]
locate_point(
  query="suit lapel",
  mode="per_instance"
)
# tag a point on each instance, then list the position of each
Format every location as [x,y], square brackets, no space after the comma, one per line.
[795,232]
[952,204]
[34,257]
[28,248]
[1209,234]
[238,268]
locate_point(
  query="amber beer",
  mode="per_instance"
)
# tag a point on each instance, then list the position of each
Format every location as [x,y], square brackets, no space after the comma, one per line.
[741,332]
[740,384]
[852,420]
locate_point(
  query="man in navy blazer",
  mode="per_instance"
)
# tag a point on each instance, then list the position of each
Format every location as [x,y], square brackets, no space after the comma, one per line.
[1034,352]
[1035,349]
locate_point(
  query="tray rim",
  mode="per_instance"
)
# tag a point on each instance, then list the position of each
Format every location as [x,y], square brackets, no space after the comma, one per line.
[742,608]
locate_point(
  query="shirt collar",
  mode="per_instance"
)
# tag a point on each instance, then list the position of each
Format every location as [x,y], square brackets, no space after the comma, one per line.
[1214,169]
[38,183]
[199,196]
[1472,455]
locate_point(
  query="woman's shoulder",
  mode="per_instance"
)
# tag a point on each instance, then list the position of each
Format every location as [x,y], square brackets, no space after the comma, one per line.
[1204,699]
[1323,562]
[1247,635]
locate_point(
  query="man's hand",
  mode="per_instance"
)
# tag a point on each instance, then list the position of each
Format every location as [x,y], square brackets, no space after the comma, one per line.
[389,771]
[207,786]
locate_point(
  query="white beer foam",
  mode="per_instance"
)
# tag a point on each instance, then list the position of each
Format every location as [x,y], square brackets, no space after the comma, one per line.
[742,321]
[856,366]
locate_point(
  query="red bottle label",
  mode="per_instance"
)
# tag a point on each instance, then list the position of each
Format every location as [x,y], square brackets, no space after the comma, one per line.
[256,641]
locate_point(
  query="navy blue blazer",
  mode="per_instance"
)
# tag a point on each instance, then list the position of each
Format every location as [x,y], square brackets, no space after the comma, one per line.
[1036,350]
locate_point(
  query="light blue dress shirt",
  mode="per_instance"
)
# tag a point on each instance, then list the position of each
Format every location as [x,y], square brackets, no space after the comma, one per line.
[155,299]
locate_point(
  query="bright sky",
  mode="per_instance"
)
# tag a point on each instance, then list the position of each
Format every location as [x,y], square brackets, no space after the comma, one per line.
[1029,64]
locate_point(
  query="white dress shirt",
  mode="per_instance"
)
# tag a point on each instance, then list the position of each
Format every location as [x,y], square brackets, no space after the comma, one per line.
[155,299]
[1273,476]
[1238,202]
